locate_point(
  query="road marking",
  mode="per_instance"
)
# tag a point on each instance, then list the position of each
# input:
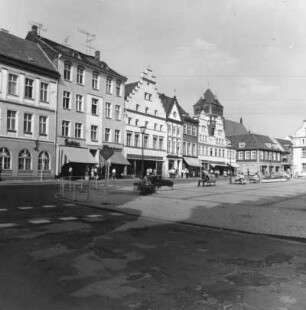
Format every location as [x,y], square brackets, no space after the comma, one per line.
[48,206]
[94,216]
[68,218]
[39,221]
[5,225]
[3,210]
[69,205]
[25,208]
[115,213]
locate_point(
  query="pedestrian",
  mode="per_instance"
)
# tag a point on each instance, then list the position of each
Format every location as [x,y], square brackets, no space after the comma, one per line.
[70,172]
[114,174]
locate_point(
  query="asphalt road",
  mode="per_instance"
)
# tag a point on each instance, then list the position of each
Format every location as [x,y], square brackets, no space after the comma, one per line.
[57,255]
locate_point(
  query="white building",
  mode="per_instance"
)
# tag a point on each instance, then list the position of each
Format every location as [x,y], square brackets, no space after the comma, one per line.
[145,130]
[299,151]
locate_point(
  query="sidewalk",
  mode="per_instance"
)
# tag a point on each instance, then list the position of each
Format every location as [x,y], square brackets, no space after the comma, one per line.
[270,208]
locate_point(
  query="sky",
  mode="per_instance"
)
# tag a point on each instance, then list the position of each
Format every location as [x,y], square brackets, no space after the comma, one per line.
[250,53]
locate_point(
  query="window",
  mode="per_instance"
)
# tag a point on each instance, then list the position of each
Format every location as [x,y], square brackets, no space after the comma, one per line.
[128,139]
[145,141]
[136,142]
[184,149]
[178,130]
[93,133]
[161,128]
[189,130]
[137,107]
[303,167]
[178,146]
[79,103]
[240,155]
[169,146]
[67,71]
[43,125]
[108,108]
[161,143]
[174,130]
[29,88]
[12,84]
[24,160]
[155,112]
[5,159]
[66,99]
[185,129]
[107,135]
[95,80]
[118,88]
[11,120]
[80,75]
[117,112]
[136,122]
[247,155]
[303,152]
[129,121]
[194,131]
[155,143]
[148,96]
[94,106]
[241,145]
[146,124]
[78,130]
[44,92]
[27,123]
[155,126]
[44,161]
[194,150]
[109,85]
[65,128]
[169,129]
[261,154]
[147,110]
[117,136]
[189,149]
[253,154]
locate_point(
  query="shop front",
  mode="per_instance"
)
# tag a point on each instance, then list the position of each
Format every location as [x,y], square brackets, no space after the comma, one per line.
[192,166]
[150,163]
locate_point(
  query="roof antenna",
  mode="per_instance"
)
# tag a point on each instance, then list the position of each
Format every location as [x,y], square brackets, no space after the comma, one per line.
[174,91]
[89,38]
[39,26]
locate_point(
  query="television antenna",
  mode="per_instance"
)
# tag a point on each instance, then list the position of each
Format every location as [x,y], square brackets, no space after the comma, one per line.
[39,26]
[89,38]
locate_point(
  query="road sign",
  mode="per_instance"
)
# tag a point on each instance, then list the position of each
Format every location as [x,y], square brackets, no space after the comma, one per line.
[107,152]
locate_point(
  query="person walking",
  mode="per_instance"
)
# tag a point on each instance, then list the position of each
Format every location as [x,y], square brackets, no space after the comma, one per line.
[114,174]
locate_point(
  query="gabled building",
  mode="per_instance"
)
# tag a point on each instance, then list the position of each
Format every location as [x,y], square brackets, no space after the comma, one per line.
[28,97]
[145,127]
[286,155]
[174,123]
[233,128]
[299,151]
[90,107]
[212,144]
[257,153]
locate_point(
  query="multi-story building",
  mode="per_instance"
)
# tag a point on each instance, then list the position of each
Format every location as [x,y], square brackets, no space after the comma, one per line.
[146,131]
[212,148]
[299,151]
[90,107]
[28,93]
[257,153]
[174,134]
[286,155]
[191,161]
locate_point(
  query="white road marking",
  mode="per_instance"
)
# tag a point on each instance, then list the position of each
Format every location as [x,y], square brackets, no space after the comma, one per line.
[5,225]
[68,218]
[39,221]
[25,208]
[48,206]
[94,215]
[3,210]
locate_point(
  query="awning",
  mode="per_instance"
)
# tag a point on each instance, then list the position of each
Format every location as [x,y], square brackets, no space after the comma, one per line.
[194,162]
[118,159]
[77,155]
[234,165]
[220,164]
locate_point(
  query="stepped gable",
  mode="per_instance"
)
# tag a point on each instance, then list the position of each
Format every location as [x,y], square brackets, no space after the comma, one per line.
[234,128]
[55,49]
[129,88]
[13,47]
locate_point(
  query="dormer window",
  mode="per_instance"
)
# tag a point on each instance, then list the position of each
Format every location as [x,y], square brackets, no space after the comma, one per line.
[241,145]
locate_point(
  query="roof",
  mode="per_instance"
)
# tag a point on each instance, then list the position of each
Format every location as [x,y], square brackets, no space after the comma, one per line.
[129,88]
[234,128]
[286,144]
[56,49]
[168,103]
[252,142]
[209,97]
[24,51]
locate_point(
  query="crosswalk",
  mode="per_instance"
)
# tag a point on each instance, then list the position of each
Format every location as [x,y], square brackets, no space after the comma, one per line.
[35,221]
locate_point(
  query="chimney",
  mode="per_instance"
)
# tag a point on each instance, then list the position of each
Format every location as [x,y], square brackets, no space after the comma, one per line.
[35,30]
[241,121]
[97,55]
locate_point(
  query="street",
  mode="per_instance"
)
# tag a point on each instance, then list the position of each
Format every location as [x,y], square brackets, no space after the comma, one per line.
[59,255]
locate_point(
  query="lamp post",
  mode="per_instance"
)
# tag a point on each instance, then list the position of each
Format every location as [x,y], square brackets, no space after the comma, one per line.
[230,155]
[142,129]
[42,166]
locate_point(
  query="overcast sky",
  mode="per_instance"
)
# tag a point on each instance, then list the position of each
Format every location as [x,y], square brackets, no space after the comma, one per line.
[250,53]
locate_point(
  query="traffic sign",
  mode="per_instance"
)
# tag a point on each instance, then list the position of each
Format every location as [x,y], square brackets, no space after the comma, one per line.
[107,152]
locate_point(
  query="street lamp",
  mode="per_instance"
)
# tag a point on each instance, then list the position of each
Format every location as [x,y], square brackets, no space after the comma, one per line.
[230,156]
[142,129]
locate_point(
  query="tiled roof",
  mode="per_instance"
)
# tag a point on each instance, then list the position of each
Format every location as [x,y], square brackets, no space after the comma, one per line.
[168,103]
[72,53]
[209,97]
[252,141]
[24,51]
[234,128]
[286,144]
[129,88]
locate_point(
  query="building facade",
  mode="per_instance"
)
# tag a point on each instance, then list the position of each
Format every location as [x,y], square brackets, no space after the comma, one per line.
[90,108]
[174,123]
[28,97]
[145,131]
[299,151]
